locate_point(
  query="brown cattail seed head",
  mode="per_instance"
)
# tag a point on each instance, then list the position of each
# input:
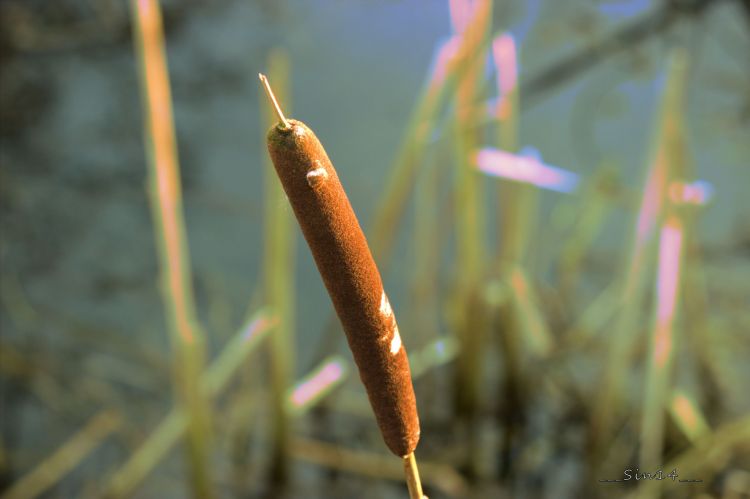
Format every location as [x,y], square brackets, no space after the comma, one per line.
[348,270]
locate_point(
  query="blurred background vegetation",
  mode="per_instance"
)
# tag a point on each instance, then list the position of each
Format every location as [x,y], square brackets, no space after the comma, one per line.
[535,319]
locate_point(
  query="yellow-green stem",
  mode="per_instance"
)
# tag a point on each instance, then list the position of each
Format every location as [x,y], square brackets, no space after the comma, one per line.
[278,274]
[651,213]
[187,338]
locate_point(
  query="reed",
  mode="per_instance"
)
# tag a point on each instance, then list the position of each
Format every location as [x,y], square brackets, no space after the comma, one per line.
[687,416]
[317,384]
[593,208]
[651,212]
[505,59]
[664,340]
[662,344]
[646,373]
[58,464]
[453,59]
[426,254]
[442,477]
[516,202]
[703,460]
[278,279]
[696,312]
[187,338]
[472,22]
[123,482]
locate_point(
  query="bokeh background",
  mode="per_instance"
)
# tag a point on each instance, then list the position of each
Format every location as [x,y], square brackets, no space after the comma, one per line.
[83,322]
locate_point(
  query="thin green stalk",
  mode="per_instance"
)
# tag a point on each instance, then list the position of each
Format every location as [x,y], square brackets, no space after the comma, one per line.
[425,309]
[687,416]
[697,328]
[65,459]
[124,481]
[593,208]
[187,338]
[278,276]
[163,438]
[703,460]
[651,213]
[470,230]
[663,342]
[426,253]
[507,314]
[453,59]
[665,338]
[513,204]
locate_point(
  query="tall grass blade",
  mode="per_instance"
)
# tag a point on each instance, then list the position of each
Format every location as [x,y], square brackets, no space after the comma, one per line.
[163,438]
[278,275]
[50,471]
[651,213]
[188,341]
[452,60]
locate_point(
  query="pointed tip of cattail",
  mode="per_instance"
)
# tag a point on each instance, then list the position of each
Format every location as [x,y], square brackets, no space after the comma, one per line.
[267,87]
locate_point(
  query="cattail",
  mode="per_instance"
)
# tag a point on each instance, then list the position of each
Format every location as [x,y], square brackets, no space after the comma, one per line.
[350,275]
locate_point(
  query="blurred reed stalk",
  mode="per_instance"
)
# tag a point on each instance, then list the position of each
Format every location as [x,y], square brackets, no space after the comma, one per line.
[278,274]
[696,311]
[664,339]
[662,345]
[441,476]
[520,317]
[452,60]
[472,22]
[424,317]
[426,244]
[50,471]
[593,208]
[516,201]
[187,338]
[687,416]
[123,482]
[606,408]
[702,461]
[504,56]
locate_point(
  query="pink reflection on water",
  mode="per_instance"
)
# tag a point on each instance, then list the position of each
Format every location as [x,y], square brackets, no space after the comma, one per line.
[504,55]
[525,168]
[670,247]
[317,383]
[697,193]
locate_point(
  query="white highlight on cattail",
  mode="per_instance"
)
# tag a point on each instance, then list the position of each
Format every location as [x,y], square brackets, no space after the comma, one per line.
[395,341]
[387,312]
[316,176]
[385,306]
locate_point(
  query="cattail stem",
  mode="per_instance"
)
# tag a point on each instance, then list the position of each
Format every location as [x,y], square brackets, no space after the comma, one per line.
[412,477]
